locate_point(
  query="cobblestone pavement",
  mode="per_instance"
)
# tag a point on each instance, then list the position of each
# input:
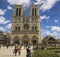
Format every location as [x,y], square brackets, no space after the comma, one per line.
[4,52]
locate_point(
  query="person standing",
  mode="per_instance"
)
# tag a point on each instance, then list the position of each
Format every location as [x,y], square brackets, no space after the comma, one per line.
[15,49]
[28,52]
[19,50]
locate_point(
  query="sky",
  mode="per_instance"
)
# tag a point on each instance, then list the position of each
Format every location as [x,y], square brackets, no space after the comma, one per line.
[49,15]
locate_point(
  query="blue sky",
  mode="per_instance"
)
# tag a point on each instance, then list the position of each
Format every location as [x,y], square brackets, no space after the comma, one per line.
[49,15]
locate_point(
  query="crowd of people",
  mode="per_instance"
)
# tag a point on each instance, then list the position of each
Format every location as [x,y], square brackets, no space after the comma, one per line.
[18,49]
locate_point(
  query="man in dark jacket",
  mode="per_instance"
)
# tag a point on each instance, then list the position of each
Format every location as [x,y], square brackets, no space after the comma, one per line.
[28,52]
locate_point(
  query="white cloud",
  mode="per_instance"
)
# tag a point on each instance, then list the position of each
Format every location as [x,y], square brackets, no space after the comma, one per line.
[46,4]
[3,20]
[38,2]
[8,26]
[52,33]
[2,29]
[44,17]
[2,12]
[19,2]
[7,21]
[56,21]
[9,7]
[55,28]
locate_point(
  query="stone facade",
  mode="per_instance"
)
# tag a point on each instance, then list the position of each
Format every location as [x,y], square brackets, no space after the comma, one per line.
[25,29]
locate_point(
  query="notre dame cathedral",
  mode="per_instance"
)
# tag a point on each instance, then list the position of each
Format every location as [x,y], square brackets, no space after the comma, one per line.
[25,29]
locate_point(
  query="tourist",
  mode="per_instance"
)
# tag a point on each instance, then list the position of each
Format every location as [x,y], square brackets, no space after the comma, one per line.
[28,52]
[19,50]
[15,49]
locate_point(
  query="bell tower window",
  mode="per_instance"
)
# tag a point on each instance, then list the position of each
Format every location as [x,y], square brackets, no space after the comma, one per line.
[17,12]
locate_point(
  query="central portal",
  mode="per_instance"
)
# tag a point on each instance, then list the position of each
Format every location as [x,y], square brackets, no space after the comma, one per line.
[25,40]
[16,40]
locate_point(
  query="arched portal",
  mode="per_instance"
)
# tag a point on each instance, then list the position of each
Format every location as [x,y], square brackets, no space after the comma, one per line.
[25,40]
[16,40]
[34,40]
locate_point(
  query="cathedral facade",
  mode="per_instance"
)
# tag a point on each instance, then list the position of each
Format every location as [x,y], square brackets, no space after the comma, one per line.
[25,29]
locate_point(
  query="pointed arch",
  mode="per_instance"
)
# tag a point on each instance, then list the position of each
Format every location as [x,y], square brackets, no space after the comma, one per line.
[16,40]
[25,40]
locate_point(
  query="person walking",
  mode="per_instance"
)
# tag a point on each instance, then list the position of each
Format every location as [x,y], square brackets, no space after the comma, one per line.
[28,52]
[19,50]
[15,49]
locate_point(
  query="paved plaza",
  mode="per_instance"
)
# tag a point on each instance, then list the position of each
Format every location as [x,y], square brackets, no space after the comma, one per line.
[4,52]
